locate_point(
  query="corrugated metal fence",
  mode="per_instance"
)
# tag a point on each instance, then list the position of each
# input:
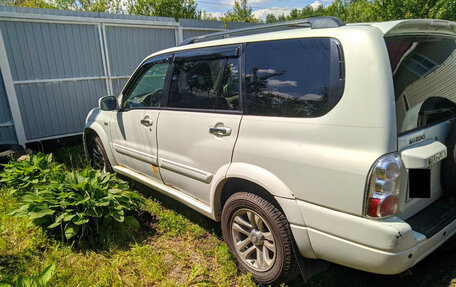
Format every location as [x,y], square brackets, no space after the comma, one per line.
[57,64]
[7,134]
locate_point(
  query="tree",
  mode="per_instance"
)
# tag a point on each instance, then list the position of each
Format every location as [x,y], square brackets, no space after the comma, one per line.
[165,8]
[296,14]
[281,18]
[444,9]
[111,6]
[385,10]
[351,11]
[241,12]
[208,17]
[358,11]
[29,3]
[348,11]
[336,9]
[271,19]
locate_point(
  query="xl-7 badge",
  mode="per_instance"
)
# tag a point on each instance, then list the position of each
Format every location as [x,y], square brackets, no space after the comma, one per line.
[438,157]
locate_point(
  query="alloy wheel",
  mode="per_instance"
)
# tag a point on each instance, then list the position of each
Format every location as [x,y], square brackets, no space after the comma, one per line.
[253,240]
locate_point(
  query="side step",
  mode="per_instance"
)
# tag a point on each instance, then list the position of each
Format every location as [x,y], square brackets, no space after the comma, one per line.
[192,202]
[433,218]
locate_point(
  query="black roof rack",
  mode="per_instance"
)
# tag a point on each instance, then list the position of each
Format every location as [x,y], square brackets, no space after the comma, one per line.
[313,23]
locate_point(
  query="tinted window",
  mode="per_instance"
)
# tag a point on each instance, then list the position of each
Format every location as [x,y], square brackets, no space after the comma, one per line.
[205,84]
[229,93]
[293,78]
[423,73]
[147,90]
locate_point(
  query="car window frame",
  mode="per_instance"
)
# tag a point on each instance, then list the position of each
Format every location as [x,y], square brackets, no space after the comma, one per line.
[218,52]
[137,75]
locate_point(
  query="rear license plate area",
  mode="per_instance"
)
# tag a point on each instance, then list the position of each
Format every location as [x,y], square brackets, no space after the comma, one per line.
[419,183]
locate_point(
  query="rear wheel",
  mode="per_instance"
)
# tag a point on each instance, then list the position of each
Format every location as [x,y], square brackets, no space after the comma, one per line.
[259,235]
[97,155]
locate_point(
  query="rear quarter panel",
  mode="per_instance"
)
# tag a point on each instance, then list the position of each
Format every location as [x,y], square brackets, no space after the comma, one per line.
[326,160]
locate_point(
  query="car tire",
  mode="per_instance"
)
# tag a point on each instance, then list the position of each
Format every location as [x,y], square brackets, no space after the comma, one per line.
[259,235]
[97,155]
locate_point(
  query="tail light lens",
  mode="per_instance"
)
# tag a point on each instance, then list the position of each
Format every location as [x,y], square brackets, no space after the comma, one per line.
[383,187]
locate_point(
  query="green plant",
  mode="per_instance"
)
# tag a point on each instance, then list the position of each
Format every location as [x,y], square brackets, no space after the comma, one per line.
[78,204]
[31,173]
[34,281]
[72,157]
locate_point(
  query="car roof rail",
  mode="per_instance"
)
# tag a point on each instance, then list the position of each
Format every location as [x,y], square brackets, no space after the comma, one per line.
[313,23]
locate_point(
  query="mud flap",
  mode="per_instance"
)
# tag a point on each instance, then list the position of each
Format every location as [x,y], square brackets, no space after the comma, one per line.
[308,267]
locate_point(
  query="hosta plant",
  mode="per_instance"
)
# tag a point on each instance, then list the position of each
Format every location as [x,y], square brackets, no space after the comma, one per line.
[29,174]
[79,204]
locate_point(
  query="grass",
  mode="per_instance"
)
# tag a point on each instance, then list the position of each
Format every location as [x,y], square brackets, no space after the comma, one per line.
[169,250]
[177,247]
[72,157]
[172,252]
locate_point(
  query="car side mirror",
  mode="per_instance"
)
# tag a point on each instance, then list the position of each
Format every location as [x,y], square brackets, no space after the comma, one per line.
[108,103]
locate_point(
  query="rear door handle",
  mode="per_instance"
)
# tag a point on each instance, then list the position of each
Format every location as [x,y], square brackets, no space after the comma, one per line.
[147,122]
[220,131]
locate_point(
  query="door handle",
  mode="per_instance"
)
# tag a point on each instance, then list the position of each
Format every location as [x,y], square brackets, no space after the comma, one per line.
[220,131]
[147,122]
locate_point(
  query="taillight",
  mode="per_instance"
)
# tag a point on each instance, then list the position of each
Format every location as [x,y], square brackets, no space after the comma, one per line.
[383,186]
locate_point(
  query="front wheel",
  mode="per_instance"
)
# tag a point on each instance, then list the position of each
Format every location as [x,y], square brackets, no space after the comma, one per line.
[259,235]
[97,155]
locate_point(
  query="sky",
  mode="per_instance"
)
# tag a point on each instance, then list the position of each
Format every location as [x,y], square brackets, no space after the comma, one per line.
[260,8]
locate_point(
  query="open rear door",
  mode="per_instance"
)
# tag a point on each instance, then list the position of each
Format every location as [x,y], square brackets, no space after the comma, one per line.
[423,61]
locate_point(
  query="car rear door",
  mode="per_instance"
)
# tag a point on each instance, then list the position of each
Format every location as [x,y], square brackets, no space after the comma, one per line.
[199,124]
[424,81]
[134,125]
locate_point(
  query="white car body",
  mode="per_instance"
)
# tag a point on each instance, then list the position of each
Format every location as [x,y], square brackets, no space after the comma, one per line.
[316,168]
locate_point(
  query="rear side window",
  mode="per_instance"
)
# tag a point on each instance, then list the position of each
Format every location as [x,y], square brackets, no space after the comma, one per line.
[294,78]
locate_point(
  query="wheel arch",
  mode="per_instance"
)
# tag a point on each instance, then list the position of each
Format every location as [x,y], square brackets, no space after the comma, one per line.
[243,176]
[94,129]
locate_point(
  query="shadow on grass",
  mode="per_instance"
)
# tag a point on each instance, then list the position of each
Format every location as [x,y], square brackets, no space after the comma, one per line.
[169,203]
[118,236]
[438,269]
[12,264]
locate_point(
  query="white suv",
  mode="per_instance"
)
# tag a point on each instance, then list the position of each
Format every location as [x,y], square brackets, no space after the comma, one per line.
[328,139]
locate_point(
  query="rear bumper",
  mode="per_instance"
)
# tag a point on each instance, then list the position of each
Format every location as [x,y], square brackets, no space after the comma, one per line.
[389,246]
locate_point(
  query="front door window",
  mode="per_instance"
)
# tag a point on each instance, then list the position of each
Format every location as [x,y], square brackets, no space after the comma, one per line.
[147,91]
